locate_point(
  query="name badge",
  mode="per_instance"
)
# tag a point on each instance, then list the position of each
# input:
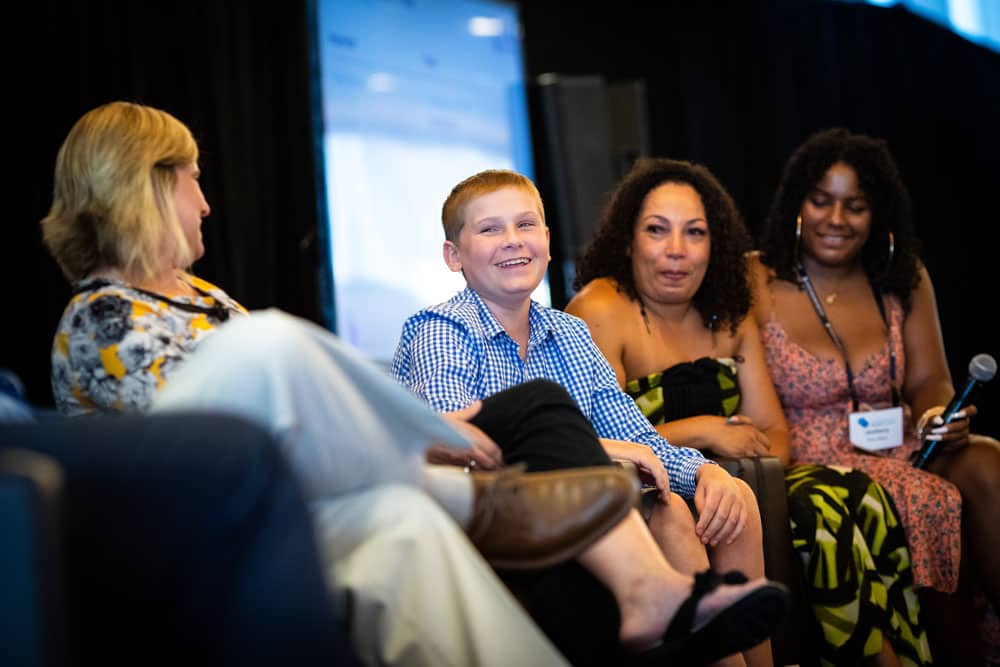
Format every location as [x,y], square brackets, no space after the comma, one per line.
[877,429]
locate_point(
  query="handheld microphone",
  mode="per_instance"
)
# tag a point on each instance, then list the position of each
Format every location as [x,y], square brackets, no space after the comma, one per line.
[982,368]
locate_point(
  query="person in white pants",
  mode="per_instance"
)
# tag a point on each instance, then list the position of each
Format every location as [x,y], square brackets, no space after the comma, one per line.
[415,590]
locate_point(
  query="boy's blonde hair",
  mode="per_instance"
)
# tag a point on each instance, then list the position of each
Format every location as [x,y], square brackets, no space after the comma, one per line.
[112,203]
[485,182]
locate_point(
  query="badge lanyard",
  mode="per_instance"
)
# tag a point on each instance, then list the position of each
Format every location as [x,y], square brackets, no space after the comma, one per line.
[832,333]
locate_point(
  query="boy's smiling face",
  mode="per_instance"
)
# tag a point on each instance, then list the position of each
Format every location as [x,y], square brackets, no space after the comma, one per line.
[503,247]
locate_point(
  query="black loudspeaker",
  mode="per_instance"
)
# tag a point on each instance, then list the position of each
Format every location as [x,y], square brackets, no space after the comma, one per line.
[629,124]
[587,135]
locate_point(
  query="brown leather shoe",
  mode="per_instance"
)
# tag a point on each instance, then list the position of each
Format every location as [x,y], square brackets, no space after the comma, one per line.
[530,520]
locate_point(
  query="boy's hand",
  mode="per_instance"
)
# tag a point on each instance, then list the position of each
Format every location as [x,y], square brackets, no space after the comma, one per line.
[644,458]
[722,512]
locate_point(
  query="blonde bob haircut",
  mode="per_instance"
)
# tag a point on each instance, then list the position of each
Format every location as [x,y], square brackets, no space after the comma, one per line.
[485,182]
[112,204]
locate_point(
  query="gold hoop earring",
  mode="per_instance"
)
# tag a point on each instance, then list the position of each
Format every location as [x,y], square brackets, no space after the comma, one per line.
[892,252]
[798,234]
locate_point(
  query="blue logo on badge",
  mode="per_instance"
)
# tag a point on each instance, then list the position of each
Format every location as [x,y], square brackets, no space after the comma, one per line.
[863,422]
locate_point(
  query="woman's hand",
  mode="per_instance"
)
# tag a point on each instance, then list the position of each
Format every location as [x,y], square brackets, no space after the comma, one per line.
[736,436]
[954,435]
[722,512]
[484,453]
[645,459]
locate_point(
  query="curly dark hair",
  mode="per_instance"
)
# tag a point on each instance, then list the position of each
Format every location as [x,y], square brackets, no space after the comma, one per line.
[887,196]
[724,297]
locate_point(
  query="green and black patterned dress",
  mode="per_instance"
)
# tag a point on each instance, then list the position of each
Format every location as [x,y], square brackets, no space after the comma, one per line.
[844,526]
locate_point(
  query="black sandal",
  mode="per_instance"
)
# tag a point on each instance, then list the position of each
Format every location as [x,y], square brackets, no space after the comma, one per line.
[745,623]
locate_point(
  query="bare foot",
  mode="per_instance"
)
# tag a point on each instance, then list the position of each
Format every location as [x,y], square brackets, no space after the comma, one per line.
[652,604]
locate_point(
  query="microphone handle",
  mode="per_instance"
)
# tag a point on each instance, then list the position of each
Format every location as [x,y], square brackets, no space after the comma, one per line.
[929,447]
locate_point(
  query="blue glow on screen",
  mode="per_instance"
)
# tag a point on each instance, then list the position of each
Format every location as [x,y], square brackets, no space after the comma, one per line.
[416,96]
[976,20]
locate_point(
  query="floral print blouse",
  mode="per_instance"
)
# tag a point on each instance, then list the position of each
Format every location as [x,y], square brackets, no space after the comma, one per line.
[116,345]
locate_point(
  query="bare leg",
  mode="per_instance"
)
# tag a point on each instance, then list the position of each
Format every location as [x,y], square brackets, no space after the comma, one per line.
[952,625]
[673,528]
[647,589]
[975,470]
[746,554]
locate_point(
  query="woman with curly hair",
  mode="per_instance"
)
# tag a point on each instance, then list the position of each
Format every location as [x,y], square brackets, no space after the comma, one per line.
[666,294]
[850,324]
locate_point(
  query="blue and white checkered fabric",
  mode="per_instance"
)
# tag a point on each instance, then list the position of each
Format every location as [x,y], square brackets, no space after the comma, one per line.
[457,352]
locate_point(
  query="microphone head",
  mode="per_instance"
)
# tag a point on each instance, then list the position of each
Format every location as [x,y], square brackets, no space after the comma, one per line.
[982,367]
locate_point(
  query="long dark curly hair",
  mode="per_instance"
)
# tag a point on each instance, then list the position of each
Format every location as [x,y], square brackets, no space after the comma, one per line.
[887,196]
[724,297]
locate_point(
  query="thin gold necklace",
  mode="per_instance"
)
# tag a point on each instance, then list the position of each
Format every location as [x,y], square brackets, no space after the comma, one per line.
[831,297]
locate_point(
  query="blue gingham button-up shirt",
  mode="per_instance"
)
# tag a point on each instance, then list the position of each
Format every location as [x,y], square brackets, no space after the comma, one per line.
[457,352]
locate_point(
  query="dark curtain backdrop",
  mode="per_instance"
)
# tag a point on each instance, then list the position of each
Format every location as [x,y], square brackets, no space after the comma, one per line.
[734,85]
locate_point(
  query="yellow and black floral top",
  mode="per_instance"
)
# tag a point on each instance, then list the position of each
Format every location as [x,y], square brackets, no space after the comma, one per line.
[116,344]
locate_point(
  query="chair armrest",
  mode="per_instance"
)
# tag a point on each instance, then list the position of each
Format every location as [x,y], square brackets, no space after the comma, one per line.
[766,476]
[32,602]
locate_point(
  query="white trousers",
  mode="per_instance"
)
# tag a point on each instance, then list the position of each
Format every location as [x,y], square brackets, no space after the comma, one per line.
[419,592]
[413,587]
